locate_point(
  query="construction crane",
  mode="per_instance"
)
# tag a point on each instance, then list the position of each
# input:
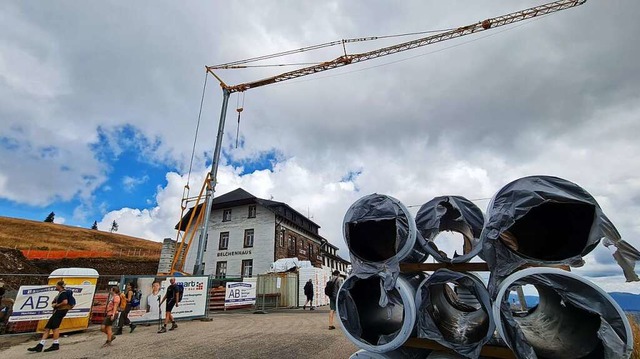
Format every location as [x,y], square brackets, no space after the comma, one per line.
[199,220]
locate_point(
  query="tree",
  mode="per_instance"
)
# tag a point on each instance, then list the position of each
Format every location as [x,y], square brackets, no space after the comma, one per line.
[95,225]
[114,226]
[50,217]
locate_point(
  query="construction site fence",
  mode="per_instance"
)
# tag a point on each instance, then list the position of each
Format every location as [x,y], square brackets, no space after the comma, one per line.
[62,254]
[273,291]
[11,283]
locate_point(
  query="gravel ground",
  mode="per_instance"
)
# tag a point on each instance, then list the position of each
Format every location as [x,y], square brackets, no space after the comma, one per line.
[282,334]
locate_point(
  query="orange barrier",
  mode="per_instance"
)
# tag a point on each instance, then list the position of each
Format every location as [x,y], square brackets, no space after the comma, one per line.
[51,254]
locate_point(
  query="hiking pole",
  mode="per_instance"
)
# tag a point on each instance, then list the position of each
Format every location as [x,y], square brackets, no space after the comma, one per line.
[159,314]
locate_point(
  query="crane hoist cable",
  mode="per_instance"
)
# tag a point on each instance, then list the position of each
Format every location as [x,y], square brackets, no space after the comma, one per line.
[186,189]
[237,64]
[239,108]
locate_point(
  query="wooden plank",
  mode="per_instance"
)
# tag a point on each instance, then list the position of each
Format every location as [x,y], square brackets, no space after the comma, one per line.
[431,267]
[490,351]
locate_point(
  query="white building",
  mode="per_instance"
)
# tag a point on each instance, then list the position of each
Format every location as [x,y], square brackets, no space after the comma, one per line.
[247,234]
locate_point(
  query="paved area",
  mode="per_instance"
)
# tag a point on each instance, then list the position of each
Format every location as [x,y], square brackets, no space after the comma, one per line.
[283,334]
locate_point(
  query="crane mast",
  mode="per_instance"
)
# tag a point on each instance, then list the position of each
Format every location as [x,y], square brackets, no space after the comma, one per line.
[202,220]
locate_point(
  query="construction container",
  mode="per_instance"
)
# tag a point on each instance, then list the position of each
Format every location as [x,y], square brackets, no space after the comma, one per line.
[72,276]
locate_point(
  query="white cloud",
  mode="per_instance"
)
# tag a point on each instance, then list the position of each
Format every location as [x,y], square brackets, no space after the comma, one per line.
[129,183]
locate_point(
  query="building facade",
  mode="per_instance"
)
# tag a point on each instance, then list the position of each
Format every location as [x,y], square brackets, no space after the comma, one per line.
[332,261]
[247,234]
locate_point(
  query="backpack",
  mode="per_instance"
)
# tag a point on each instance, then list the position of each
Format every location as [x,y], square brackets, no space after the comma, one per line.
[330,288]
[180,289]
[135,299]
[123,302]
[71,301]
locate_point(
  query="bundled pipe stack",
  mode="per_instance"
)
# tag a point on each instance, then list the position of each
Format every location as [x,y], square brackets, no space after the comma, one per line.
[535,222]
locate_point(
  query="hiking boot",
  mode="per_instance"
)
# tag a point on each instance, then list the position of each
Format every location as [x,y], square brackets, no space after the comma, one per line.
[53,347]
[173,326]
[163,330]
[312,308]
[133,327]
[37,348]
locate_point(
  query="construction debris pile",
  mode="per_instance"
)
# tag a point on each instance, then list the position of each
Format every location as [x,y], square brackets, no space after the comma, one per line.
[532,224]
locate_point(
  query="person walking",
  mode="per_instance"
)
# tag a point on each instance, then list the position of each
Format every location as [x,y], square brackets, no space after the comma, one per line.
[171,296]
[124,316]
[111,315]
[60,306]
[308,292]
[337,281]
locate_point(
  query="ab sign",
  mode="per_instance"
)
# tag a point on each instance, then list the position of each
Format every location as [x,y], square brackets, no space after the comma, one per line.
[240,293]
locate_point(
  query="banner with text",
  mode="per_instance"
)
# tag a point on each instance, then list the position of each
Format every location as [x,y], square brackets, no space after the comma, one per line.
[194,300]
[33,302]
[240,293]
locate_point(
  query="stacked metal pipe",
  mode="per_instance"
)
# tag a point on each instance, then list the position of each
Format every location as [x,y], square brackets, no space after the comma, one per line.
[543,221]
[534,221]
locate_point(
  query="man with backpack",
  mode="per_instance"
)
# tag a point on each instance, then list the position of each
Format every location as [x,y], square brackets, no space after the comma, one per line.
[173,296]
[127,299]
[331,290]
[61,305]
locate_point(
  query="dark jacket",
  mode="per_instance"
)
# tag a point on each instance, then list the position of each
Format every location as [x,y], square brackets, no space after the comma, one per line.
[308,289]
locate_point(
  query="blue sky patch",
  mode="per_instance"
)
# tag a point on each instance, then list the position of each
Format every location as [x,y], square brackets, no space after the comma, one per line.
[266,160]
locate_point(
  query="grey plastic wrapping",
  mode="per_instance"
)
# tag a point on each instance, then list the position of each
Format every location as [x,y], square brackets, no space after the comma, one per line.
[400,353]
[451,213]
[462,327]
[379,252]
[520,197]
[387,324]
[626,256]
[564,291]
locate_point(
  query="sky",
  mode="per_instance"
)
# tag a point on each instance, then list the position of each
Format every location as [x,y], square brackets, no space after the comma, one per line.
[99,105]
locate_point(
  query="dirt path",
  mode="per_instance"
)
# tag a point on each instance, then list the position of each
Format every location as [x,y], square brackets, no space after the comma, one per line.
[286,334]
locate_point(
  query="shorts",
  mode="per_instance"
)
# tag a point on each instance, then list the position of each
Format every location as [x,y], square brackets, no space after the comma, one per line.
[56,319]
[332,303]
[170,305]
[108,322]
[310,298]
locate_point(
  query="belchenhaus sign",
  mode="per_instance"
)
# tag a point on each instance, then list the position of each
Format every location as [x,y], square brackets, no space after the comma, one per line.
[234,253]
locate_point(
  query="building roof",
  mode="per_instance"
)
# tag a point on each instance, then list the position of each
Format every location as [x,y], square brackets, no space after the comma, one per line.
[240,197]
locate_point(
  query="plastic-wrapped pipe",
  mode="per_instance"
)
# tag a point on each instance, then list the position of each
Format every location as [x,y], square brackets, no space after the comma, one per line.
[574,318]
[451,213]
[378,228]
[541,220]
[454,309]
[375,319]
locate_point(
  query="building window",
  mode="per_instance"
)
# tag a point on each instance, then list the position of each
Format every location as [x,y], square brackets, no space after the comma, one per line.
[281,238]
[294,246]
[248,238]
[224,241]
[252,211]
[310,248]
[226,215]
[247,268]
[221,270]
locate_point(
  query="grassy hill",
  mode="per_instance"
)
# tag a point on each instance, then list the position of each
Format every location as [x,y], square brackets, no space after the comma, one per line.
[25,234]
